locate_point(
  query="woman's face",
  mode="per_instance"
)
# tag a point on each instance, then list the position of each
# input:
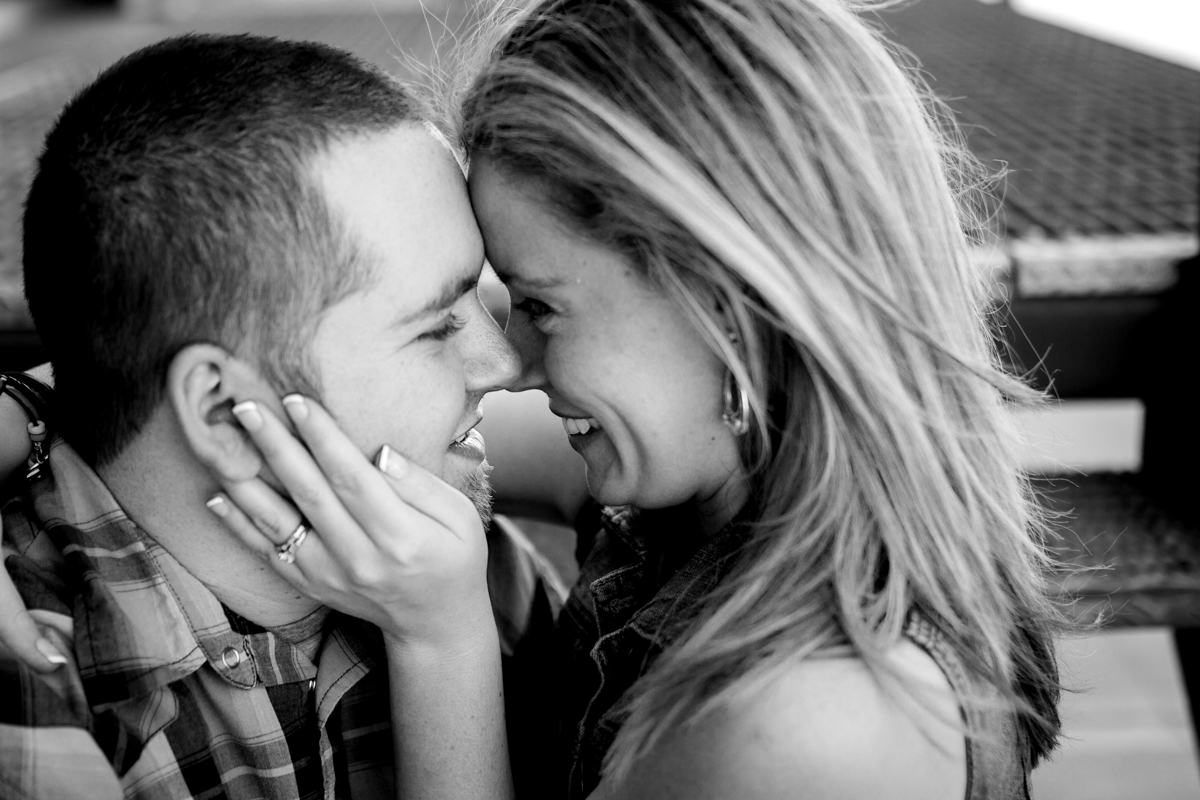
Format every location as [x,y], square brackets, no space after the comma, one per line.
[637,389]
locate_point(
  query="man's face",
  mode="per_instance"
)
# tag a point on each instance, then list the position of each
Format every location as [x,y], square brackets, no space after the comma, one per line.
[406,361]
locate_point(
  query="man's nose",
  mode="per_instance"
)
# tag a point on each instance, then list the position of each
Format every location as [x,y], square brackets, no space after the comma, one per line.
[493,362]
[530,344]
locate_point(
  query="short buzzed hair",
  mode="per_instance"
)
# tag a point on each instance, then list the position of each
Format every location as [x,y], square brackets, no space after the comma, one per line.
[173,204]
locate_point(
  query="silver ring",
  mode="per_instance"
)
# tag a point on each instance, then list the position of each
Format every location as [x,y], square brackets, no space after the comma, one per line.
[287,551]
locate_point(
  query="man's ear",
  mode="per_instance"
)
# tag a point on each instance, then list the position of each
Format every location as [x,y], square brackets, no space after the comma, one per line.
[203,384]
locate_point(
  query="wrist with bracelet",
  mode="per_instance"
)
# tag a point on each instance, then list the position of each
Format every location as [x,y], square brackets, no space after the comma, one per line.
[31,395]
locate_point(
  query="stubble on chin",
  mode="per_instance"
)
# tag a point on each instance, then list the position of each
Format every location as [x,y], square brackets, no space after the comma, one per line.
[478,490]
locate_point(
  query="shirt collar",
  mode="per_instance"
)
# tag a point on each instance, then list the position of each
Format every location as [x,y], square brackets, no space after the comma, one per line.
[142,620]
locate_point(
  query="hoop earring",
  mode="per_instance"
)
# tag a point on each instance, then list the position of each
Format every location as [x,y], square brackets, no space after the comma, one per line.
[736,413]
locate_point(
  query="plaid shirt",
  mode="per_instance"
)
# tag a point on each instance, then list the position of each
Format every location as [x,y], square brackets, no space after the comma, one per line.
[162,697]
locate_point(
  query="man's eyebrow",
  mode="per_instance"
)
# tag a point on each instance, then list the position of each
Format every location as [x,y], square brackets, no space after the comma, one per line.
[446,298]
[532,283]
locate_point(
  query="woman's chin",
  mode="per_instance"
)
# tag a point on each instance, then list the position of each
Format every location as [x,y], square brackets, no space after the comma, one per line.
[607,489]
[610,483]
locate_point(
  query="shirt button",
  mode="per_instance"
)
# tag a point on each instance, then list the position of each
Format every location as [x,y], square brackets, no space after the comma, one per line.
[231,657]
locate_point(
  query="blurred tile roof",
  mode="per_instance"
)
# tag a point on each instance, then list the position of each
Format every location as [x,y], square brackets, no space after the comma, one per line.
[1098,139]
[1101,143]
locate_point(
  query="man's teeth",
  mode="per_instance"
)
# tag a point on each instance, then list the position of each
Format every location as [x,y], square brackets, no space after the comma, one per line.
[463,438]
[574,427]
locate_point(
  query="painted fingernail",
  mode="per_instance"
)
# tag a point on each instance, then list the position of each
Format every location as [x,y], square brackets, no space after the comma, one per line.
[248,414]
[390,462]
[295,406]
[50,652]
[218,506]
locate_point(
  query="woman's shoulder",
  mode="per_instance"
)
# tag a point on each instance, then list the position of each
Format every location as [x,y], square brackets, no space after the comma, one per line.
[825,728]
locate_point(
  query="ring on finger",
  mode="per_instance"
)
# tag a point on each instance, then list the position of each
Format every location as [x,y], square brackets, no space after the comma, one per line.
[286,552]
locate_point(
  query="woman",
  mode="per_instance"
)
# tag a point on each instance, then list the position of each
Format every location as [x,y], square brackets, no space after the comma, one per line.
[734,239]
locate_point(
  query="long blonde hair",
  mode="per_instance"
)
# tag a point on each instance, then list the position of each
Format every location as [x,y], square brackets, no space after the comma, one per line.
[776,161]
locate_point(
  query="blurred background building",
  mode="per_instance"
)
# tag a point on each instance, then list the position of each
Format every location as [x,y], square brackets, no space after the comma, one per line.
[1089,252]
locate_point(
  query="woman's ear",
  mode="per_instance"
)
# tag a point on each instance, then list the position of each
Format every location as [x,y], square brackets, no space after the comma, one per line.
[203,384]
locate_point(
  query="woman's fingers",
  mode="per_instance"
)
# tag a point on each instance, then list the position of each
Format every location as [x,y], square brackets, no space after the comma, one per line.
[258,531]
[20,633]
[428,493]
[392,543]
[264,537]
[356,482]
[291,464]
[346,499]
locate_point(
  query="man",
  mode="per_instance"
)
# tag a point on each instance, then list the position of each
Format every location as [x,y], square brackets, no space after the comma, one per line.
[213,220]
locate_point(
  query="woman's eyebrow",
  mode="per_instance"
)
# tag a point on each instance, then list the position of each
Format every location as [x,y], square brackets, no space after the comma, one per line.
[548,282]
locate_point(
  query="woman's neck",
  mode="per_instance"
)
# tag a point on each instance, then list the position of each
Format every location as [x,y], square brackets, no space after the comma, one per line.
[720,506]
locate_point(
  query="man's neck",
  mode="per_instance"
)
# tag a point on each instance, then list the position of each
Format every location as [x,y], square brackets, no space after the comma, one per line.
[164,492]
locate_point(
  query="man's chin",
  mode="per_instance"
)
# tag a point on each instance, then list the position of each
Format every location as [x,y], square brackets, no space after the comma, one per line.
[474,484]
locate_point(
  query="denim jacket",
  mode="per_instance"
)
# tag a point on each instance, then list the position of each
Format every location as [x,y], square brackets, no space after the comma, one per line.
[632,601]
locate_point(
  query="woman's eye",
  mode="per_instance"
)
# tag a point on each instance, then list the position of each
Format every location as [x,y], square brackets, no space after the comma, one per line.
[451,326]
[535,309]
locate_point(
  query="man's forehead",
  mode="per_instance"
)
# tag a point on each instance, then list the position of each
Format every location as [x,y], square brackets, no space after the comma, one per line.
[402,202]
